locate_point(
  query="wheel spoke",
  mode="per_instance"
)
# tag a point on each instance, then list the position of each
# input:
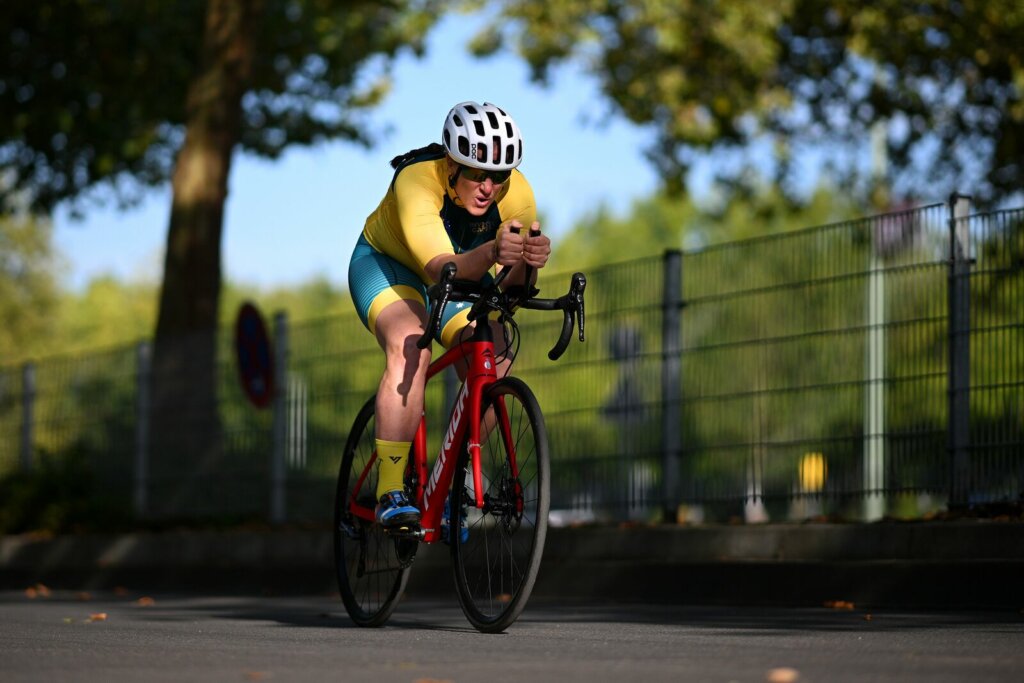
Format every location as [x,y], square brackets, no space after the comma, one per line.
[371,576]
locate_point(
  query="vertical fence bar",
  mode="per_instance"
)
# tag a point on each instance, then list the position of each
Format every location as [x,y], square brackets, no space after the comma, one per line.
[278,456]
[671,381]
[28,402]
[143,370]
[874,390]
[959,349]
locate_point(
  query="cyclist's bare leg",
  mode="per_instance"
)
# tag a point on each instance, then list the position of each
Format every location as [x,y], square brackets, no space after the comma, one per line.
[400,394]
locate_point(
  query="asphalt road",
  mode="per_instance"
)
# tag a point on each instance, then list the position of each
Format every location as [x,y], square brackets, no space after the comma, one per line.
[129,636]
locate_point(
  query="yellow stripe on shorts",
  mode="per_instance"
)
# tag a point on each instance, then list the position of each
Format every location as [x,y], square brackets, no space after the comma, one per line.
[386,298]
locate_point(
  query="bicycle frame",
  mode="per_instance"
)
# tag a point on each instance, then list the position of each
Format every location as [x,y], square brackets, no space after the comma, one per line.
[430,492]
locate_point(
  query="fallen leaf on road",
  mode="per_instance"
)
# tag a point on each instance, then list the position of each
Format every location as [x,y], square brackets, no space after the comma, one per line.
[98,616]
[255,675]
[37,591]
[145,601]
[838,604]
[783,674]
[83,596]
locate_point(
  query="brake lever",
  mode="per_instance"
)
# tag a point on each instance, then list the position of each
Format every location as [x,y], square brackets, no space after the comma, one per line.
[579,284]
[438,294]
[572,311]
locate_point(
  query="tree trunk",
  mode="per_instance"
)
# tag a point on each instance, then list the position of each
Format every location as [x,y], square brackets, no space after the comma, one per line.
[186,435]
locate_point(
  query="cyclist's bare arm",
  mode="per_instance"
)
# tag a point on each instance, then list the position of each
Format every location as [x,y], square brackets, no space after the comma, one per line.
[471,265]
[511,248]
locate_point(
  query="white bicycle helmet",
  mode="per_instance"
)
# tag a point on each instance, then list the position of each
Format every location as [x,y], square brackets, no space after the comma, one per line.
[482,136]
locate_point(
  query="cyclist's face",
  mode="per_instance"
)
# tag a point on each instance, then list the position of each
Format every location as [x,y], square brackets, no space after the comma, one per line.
[476,196]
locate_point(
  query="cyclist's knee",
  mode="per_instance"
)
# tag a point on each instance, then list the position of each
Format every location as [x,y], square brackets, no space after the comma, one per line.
[401,352]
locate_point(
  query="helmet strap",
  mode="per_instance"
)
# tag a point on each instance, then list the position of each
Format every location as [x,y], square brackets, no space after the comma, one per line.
[454,177]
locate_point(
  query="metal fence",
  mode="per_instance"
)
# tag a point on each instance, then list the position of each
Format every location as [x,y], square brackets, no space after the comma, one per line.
[859,369]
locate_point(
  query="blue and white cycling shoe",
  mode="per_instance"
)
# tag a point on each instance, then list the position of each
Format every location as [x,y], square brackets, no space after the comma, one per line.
[395,510]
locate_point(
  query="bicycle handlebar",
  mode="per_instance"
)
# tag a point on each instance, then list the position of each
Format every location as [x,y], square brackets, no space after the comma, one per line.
[490,297]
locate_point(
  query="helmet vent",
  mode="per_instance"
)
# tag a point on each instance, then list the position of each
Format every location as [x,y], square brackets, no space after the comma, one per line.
[482,136]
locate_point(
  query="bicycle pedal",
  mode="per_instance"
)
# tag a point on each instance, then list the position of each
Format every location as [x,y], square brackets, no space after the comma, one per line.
[405,531]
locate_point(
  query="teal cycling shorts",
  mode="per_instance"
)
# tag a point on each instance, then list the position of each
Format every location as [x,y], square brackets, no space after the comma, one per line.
[376,280]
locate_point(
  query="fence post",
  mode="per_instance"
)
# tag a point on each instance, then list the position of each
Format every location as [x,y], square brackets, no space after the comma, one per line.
[143,373]
[874,456]
[278,455]
[28,402]
[959,295]
[671,381]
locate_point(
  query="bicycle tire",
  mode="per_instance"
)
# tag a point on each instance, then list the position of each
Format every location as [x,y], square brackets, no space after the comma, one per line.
[372,568]
[496,566]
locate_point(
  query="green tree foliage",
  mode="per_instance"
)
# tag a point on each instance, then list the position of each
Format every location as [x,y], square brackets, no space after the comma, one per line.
[315,298]
[667,221]
[946,77]
[107,313]
[97,92]
[125,95]
[28,287]
[652,225]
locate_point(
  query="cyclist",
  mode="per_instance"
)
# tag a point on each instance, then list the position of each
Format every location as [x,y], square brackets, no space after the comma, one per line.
[461,201]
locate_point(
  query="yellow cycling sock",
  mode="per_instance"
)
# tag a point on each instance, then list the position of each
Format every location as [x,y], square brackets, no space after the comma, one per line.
[391,459]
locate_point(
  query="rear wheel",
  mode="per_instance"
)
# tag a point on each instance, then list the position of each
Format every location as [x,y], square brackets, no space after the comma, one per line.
[496,566]
[372,567]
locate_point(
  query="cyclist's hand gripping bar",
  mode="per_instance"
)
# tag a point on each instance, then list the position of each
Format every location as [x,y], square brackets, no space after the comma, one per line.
[527,268]
[438,294]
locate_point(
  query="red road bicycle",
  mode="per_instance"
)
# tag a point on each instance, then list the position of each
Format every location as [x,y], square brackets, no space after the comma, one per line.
[490,479]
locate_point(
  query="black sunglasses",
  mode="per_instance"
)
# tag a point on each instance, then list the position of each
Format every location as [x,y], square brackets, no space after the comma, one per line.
[478,175]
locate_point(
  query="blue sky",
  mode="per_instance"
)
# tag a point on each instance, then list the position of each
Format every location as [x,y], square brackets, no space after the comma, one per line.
[298,217]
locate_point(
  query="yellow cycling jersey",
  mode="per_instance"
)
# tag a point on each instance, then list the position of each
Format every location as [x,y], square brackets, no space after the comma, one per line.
[421,217]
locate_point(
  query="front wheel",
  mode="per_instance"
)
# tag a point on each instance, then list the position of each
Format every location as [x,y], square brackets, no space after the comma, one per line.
[497,559]
[372,567]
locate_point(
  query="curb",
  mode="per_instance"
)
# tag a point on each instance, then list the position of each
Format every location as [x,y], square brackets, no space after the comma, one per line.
[962,564]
